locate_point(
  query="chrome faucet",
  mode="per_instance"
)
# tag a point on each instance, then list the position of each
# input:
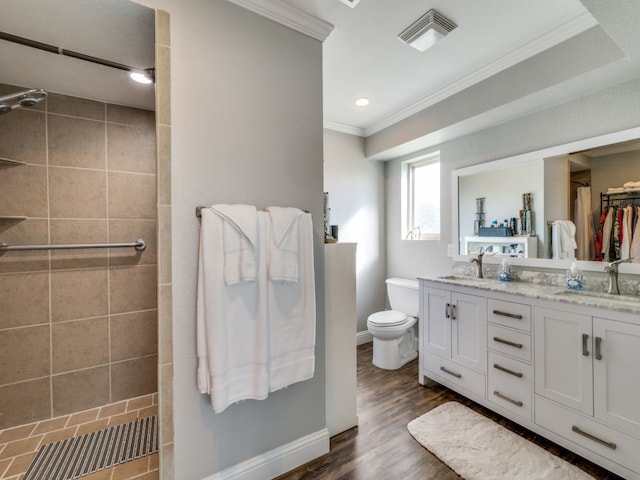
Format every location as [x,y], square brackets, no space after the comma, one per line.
[612,270]
[478,261]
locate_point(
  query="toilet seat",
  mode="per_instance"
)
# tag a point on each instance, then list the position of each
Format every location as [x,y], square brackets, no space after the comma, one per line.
[387,318]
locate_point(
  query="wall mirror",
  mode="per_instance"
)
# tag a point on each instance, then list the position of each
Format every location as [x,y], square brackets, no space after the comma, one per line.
[522,197]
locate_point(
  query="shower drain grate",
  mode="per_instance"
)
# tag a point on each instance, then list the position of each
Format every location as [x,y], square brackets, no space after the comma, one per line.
[89,453]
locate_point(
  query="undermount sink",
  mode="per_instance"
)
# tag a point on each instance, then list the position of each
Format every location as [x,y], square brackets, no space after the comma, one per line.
[608,297]
[463,278]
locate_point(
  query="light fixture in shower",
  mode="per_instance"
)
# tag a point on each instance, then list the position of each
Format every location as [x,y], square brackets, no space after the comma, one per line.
[145,76]
[148,72]
[26,98]
[427,30]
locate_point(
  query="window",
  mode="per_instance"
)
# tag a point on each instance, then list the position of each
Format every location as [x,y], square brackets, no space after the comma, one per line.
[421,198]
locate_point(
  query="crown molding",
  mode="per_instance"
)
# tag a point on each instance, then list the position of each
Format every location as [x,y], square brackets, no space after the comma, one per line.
[341,127]
[289,17]
[552,38]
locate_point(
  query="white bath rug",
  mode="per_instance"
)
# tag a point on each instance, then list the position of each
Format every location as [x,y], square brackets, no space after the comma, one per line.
[477,448]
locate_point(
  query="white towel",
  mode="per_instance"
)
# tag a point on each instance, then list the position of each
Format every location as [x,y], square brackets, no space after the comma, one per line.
[615,190]
[563,241]
[584,224]
[283,244]
[631,184]
[232,329]
[239,242]
[292,316]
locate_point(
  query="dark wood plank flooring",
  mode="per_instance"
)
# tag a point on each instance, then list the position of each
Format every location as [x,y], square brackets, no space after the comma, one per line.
[380,447]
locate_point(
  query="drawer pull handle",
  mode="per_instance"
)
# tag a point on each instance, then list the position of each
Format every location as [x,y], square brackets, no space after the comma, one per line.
[453,311]
[517,403]
[598,354]
[585,349]
[447,309]
[445,370]
[506,370]
[610,445]
[507,314]
[507,342]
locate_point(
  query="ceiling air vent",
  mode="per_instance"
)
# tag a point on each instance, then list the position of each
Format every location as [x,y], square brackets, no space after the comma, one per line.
[351,3]
[427,30]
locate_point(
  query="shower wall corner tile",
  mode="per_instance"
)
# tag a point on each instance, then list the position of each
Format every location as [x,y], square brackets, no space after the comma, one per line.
[164,244]
[134,335]
[133,288]
[133,378]
[163,84]
[125,231]
[131,148]
[164,164]
[165,388]
[163,30]
[132,195]
[165,324]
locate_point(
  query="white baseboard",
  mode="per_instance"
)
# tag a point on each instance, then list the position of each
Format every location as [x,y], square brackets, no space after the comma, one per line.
[363,337]
[279,460]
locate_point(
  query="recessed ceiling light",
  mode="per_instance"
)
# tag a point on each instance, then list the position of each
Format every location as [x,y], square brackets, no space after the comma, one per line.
[362,102]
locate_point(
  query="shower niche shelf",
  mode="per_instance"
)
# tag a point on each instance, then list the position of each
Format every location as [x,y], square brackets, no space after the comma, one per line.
[6,161]
[12,218]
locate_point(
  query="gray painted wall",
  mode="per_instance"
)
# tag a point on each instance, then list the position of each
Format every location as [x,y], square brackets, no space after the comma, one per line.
[356,197]
[247,128]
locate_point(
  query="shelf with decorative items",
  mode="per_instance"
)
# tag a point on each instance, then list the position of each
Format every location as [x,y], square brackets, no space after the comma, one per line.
[514,246]
[7,162]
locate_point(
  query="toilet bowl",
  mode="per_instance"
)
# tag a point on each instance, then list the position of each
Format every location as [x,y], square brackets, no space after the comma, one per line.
[394,340]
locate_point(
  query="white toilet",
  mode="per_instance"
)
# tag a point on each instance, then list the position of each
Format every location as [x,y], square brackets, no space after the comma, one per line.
[394,341]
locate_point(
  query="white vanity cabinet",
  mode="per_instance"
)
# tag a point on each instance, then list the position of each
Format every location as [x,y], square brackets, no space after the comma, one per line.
[509,369]
[567,371]
[453,341]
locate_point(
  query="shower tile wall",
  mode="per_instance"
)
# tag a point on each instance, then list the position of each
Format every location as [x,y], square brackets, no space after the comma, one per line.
[78,328]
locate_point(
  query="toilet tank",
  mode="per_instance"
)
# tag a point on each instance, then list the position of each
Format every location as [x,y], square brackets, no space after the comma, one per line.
[403,295]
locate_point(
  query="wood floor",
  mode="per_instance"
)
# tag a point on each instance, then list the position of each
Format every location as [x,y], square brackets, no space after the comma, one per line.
[382,448]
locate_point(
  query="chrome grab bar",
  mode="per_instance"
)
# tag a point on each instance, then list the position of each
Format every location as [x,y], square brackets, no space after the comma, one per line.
[139,245]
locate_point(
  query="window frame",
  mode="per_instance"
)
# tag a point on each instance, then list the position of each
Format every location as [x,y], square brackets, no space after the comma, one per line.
[408,188]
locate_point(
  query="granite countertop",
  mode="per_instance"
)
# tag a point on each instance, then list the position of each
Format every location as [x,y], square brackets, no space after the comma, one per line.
[548,290]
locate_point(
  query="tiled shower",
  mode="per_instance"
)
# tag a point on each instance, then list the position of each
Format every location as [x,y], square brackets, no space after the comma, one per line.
[78,328]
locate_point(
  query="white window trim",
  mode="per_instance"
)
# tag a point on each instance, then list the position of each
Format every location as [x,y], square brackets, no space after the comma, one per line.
[407,189]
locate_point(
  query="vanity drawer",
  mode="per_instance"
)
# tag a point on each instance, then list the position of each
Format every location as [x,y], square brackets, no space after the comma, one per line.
[509,314]
[439,368]
[586,432]
[510,342]
[510,384]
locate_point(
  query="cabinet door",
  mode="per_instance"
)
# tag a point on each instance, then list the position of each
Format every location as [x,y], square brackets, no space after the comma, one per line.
[563,358]
[469,331]
[615,373]
[437,324]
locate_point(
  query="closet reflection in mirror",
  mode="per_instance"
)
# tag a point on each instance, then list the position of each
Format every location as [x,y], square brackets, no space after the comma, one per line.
[571,195]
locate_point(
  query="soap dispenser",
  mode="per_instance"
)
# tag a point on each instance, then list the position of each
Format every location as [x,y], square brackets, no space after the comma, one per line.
[574,278]
[504,271]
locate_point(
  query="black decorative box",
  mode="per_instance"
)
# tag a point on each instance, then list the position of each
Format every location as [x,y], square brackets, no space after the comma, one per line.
[495,232]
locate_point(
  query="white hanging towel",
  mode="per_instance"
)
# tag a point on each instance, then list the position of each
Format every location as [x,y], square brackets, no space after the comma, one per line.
[584,224]
[292,314]
[232,329]
[563,242]
[239,241]
[283,244]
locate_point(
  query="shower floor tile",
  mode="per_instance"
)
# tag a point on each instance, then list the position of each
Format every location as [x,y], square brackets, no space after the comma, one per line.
[18,445]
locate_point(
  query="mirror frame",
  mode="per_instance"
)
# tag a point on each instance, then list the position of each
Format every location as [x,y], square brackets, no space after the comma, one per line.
[547,263]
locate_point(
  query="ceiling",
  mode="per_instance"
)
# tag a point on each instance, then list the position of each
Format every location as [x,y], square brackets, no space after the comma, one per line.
[116,30]
[364,57]
[361,56]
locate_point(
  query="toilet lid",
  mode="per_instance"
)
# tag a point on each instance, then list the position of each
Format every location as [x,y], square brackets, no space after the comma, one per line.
[388,318]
